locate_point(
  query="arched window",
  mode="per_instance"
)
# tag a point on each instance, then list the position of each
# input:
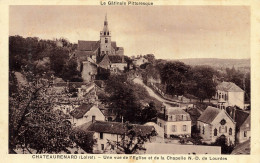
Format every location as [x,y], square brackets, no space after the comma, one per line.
[215,132]
[105,33]
[230,131]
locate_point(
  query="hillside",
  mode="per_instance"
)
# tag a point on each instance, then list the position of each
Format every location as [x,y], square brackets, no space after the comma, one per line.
[241,64]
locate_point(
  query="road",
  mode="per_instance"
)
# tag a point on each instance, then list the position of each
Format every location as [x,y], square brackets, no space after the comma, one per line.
[152,93]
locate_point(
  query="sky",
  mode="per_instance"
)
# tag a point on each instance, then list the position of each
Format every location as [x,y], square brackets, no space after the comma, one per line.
[168,32]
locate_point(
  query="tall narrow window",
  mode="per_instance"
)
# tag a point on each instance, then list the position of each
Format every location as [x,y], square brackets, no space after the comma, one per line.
[215,132]
[102,147]
[184,127]
[101,135]
[203,130]
[106,40]
[93,118]
[174,128]
[230,131]
[245,133]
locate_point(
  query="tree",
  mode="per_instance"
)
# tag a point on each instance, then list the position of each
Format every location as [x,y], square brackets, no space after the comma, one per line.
[225,148]
[123,98]
[84,139]
[34,124]
[133,139]
[149,113]
[174,75]
[205,86]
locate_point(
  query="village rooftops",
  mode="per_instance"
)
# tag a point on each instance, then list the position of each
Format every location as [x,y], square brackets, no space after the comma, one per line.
[174,114]
[238,115]
[229,87]
[116,128]
[80,111]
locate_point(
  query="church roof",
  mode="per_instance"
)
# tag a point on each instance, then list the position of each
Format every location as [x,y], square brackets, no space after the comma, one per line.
[87,45]
[229,87]
[209,114]
[113,44]
[115,58]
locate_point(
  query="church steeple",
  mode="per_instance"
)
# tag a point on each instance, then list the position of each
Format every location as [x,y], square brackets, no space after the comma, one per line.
[105,31]
[105,39]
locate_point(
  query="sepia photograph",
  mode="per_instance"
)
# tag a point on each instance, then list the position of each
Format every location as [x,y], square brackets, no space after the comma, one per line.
[142,80]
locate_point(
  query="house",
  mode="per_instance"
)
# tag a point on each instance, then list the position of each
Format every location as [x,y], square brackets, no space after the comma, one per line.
[175,121]
[105,132]
[86,113]
[229,94]
[243,124]
[215,122]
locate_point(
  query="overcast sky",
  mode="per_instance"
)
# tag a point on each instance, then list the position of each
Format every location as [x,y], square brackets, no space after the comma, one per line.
[169,32]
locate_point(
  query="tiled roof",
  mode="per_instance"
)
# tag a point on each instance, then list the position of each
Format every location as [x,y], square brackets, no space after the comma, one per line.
[80,111]
[209,114]
[113,44]
[115,58]
[240,117]
[118,128]
[229,87]
[175,111]
[88,45]
[243,148]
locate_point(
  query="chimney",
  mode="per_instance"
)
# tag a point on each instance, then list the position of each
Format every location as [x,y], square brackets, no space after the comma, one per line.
[164,112]
[234,113]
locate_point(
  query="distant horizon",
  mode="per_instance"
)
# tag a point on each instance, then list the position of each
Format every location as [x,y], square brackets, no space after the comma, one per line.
[168,32]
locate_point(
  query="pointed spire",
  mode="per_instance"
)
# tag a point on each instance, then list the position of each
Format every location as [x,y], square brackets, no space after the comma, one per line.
[105,22]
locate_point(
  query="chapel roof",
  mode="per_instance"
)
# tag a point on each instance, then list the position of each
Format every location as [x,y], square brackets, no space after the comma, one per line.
[209,114]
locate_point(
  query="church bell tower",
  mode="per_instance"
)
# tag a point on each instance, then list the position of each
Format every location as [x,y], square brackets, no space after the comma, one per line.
[105,39]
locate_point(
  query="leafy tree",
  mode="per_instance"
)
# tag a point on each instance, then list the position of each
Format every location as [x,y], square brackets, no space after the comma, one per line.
[174,75]
[34,124]
[149,113]
[132,141]
[150,58]
[84,139]
[205,86]
[70,71]
[225,148]
[58,58]
[123,98]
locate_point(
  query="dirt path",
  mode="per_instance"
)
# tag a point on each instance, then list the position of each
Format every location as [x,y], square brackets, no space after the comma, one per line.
[152,93]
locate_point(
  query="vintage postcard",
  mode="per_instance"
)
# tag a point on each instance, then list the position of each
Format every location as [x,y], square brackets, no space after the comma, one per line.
[130,80]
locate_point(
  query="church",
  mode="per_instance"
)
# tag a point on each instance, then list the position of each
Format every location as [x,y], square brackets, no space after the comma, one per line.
[93,56]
